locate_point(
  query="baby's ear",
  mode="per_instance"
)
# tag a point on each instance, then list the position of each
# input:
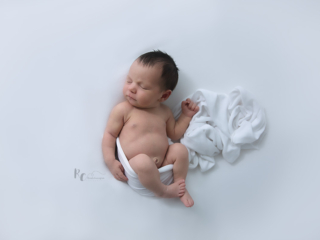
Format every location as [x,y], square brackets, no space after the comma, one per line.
[165,95]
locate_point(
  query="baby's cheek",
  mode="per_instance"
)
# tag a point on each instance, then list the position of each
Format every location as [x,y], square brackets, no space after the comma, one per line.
[144,99]
[124,90]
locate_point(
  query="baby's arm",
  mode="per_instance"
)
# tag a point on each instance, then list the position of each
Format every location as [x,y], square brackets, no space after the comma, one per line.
[175,129]
[114,126]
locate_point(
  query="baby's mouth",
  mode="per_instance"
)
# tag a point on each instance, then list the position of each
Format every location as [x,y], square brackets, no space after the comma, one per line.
[130,98]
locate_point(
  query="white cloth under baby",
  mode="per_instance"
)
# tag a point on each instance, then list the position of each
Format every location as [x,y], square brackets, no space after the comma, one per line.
[226,123]
[166,174]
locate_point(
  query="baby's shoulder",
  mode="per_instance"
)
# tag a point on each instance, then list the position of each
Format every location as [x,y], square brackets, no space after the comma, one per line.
[166,110]
[123,107]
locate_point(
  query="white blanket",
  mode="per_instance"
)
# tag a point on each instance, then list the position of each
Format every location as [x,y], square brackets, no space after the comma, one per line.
[226,123]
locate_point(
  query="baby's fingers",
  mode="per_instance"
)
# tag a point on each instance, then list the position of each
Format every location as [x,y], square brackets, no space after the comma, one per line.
[195,108]
[121,167]
[119,174]
[184,103]
[121,177]
[192,106]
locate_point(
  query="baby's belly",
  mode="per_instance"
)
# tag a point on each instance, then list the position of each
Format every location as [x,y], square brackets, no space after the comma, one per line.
[154,145]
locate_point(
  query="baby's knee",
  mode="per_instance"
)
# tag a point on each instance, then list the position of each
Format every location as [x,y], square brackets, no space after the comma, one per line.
[141,163]
[180,150]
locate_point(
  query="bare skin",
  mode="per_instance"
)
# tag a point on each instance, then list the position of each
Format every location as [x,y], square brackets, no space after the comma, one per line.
[143,123]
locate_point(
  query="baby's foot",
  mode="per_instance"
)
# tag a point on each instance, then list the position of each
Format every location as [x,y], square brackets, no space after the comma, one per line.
[176,189]
[187,199]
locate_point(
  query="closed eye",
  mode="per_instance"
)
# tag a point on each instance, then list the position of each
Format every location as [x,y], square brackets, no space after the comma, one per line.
[129,80]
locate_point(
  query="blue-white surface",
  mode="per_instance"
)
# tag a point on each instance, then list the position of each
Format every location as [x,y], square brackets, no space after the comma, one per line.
[62,66]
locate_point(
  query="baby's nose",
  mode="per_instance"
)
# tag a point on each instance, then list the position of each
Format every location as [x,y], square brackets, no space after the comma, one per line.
[132,88]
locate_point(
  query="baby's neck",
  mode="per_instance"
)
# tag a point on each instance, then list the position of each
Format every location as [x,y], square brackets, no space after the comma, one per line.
[149,108]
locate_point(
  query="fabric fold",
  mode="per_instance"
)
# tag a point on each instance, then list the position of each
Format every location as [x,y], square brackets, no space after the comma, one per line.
[224,124]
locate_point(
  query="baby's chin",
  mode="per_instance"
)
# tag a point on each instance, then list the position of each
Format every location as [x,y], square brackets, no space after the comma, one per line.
[132,102]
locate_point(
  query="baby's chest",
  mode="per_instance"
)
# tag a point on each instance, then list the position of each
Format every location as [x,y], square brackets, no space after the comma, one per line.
[146,123]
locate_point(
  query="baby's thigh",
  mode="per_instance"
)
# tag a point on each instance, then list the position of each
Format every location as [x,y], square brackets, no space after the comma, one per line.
[176,152]
[141,162]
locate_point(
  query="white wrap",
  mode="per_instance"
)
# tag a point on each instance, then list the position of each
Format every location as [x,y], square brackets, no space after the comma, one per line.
[226,123]
[166,174]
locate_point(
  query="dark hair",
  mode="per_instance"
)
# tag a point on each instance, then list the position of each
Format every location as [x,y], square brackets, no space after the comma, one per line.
[169,69]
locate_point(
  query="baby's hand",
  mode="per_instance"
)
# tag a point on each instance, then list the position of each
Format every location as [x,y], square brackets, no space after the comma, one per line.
[189,108]
[117,171]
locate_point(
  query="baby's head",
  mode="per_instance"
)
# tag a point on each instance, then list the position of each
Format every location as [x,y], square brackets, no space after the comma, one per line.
[151,79]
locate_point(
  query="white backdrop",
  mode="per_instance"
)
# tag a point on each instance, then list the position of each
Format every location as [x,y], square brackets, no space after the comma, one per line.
[62,66]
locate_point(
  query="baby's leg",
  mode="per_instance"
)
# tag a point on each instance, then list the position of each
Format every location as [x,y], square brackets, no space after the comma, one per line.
[178,156]
[149,177]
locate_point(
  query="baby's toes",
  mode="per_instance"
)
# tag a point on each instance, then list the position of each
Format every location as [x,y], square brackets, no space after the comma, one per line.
[182,184]
[181,181]
[182,191]
[182,188]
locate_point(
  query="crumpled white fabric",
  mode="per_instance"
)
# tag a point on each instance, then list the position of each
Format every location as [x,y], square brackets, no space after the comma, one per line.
[224,123]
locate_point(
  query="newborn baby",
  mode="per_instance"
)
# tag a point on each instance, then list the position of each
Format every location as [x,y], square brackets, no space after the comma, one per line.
[144,123]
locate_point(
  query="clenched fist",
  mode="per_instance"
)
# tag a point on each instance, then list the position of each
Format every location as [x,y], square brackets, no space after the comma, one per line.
[189,108]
